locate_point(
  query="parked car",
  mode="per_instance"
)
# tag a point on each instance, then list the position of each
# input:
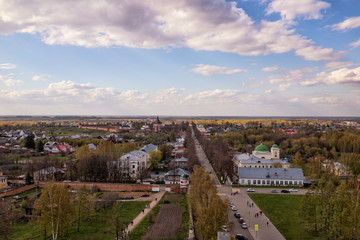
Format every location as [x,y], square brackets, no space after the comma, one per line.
[250,190]
[311,191]
[285,191]
[233,208]
[274,191]
[224,228]
[244,225]
[237,215]
[240,237]
[128,197]
[241,220]
[293,190]
[145,195]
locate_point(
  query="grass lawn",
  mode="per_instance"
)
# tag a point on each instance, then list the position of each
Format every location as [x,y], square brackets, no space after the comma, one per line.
[98,226]
[283,211]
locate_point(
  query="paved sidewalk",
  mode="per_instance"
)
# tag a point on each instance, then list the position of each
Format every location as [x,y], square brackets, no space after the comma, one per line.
[266,232]
[138,219]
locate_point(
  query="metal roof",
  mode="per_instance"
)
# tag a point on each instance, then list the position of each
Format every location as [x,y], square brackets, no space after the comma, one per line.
[271,173]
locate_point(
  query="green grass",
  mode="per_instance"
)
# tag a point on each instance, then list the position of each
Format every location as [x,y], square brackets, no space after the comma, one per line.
[141,229]
[283,212]
[98,226]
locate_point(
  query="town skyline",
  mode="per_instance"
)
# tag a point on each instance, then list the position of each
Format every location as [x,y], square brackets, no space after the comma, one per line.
[184,58]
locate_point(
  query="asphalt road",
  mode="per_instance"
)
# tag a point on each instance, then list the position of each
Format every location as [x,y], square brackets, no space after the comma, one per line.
[268,191]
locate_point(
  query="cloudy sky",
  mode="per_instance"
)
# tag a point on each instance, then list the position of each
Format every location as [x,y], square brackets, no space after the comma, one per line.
[183,57]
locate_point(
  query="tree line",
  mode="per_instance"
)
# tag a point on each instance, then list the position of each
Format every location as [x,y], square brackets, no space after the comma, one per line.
[217,152]
[333,210]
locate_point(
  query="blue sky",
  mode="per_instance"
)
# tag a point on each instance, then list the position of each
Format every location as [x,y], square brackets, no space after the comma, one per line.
[185,57]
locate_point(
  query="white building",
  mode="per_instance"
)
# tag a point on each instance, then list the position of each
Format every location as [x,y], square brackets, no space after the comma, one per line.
[136,161]
[271,176]
[260,158]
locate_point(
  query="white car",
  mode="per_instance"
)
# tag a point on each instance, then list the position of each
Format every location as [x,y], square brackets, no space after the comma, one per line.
[233,208]
[250,190]
[224,228]
[293,190]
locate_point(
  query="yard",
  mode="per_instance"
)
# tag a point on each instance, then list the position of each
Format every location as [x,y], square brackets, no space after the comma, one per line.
[98,226]
[168,220]
[283,212]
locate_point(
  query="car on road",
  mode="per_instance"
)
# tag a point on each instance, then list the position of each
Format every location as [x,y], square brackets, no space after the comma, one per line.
[240,237]
[237,215]
[250,190]
[241,220]
[244,225]
[145,195]
[311,191]
[233,208]
[231,204]
[285,191]
[293,190]
[128,197]
[274,191]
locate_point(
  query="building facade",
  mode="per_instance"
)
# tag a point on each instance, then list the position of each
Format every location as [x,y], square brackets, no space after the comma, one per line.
[271,176]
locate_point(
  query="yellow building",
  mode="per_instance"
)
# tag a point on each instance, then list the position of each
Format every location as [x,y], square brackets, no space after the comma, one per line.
[3,181]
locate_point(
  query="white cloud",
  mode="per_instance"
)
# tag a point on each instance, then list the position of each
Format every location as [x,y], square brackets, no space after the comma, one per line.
[324,100]
[337,65]
[270,69]
[316,53]
[208,70]
[294,100]
[217,96]
[40,78]
[268,91]
[211,25]
[340,76]
[350,23]
[291,77]
[12,82]
[355,44]
[306,9]
[7,66]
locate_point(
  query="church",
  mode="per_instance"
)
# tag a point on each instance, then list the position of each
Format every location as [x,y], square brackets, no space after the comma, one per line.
[261,157]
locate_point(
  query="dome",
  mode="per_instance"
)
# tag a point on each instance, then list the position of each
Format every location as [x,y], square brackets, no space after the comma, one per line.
[184,176]
[275,146]
[261,148]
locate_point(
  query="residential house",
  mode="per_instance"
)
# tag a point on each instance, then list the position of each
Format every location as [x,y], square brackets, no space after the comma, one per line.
[149,147]
[271,176]
[181,162]
[174,176]
[48,173]
[3,181]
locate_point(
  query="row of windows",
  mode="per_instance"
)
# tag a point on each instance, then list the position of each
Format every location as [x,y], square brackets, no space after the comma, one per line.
[270,182]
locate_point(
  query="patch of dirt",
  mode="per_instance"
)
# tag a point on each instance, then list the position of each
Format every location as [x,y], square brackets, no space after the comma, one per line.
[167,222]
[172,198]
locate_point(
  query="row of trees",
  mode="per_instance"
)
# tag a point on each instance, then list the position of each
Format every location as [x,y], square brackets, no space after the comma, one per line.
[218,154]
[193,159]
[209,211]
[334,209]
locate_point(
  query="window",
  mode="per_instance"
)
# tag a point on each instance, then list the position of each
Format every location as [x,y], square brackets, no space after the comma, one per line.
[281,182]
[286,182]
[295,182]
[290,182]
[263,182]
[259,182]
[272,182]
[268,182]
[133,171]
[277,182]
[249,182]
[242,181]
[133,166]
[254,182]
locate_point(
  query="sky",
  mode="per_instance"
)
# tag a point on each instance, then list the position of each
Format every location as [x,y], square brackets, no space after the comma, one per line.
[180,58]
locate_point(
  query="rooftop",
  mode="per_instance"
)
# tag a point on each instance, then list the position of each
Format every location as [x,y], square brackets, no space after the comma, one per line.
[271,173]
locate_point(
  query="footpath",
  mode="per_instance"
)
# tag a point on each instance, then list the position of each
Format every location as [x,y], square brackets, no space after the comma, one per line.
[140,217]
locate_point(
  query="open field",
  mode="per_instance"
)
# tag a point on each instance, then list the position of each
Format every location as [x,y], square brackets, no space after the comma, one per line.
[283,212]
[170,204]
[167,222]
[98,226]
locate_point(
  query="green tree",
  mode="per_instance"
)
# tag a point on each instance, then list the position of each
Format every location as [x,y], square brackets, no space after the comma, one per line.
[85,205]
[166,151]
[155,158]
[83,152]
[172,136]
[39,146]
[29,141]
[55,209]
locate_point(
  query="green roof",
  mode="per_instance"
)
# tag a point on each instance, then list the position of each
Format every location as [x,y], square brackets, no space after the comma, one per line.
[275,146]
[184,176]
[261,148]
